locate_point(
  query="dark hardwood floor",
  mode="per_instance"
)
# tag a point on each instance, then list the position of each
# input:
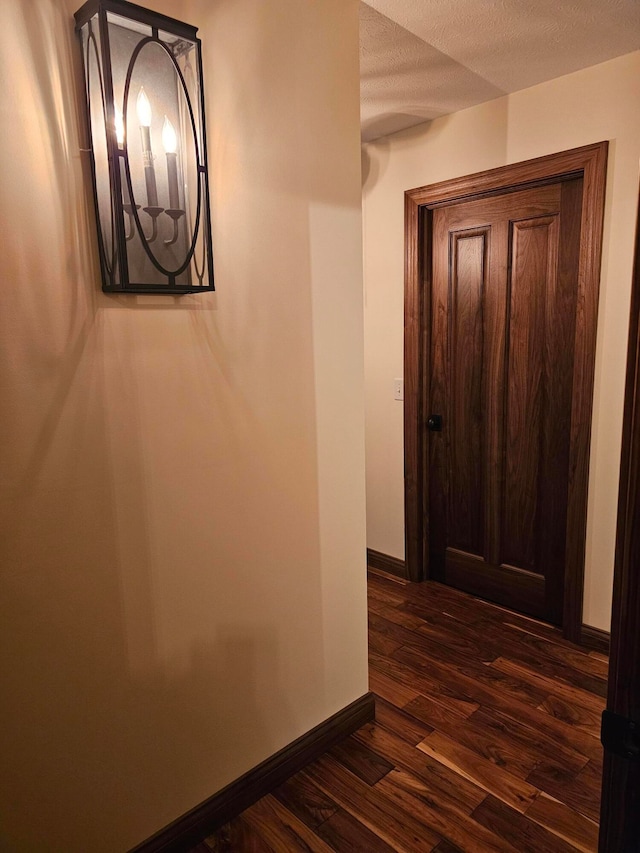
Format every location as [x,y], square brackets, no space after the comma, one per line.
[486,739]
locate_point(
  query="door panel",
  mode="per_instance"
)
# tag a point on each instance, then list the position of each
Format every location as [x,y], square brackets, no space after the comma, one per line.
[468,251]
[533,273]
[503,308]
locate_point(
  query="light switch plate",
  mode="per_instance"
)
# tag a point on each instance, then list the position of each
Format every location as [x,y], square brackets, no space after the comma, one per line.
[398,389]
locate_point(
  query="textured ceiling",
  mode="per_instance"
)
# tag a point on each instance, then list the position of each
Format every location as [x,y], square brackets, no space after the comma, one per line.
[420,59]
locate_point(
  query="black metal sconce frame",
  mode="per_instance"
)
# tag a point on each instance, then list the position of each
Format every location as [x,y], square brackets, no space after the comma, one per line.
[163,246]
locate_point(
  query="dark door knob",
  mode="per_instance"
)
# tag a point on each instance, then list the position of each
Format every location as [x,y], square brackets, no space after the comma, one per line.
[434,424]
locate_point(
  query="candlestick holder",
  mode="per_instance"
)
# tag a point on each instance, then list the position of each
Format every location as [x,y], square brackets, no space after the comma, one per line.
[131,228]
[175,214]
[146,127]
[154,212]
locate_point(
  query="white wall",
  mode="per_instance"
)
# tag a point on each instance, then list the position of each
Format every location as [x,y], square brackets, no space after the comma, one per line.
[182,479]
[595,104]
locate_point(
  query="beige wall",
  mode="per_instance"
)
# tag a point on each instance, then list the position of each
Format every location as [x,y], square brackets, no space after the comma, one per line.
[182,479]
[589,106]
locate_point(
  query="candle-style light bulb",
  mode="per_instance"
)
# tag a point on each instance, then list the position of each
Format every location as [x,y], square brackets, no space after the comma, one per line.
[170,143]
[143,108]
[119,123]
[169,138]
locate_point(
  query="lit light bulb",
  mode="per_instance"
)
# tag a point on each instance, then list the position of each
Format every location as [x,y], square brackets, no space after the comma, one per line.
[169,139]
[119,123]
[143,108]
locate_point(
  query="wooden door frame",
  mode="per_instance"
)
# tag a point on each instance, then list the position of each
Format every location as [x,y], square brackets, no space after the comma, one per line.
[620,804]
[589,163]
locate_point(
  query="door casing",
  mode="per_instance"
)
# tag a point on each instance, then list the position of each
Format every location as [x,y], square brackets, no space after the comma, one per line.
[590,163]
[620,805]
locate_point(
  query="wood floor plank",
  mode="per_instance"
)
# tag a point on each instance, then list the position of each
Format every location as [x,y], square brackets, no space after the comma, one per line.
[387,625]
[535,629]
[431,597]
[495,637]
[386,593]
[463,794]
[563,821]
[457,647]
[401,723]
[390,689]
[526,690]
[574,715]
[548,657]
[491,697]
[457,702]
[580,792]
[343,832]
[513,791]
[372,807]
[395,614]
[440,595]
[487,743]
[305,800]
[438,714]
[507,685]
[517,829]
[413,795]
[529,624]
[480,687]
[281,829]
[536,743]
[385,577]
[363,762]
[525,641]
[426,609]
[577,657]
[562,738]
[550,686]
[455,638]
[235,836]
[382,644]
[447,847]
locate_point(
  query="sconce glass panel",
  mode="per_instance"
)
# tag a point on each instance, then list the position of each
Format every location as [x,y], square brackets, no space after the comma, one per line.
[145,107]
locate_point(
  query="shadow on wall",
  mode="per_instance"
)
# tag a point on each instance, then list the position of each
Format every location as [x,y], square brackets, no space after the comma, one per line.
[372,167]
[449,146]
[388,123]
[86,767]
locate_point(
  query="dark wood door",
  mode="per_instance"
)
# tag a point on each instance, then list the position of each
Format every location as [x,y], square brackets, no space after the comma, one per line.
[503,316]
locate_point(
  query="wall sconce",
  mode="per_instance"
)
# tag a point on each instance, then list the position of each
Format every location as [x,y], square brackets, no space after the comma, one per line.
[145,105]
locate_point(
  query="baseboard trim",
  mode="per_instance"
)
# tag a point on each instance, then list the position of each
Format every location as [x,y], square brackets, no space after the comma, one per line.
[192,827]
[385,563]
[595,639]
